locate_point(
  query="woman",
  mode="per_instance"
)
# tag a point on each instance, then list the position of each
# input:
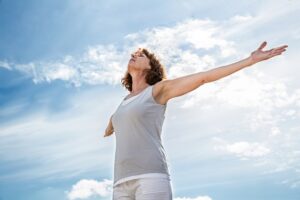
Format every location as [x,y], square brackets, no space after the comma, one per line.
[141,171]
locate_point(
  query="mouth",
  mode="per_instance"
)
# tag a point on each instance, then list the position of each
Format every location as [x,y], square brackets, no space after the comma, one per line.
[131,60]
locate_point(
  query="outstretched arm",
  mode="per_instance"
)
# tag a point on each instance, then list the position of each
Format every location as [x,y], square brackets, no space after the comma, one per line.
[179,86]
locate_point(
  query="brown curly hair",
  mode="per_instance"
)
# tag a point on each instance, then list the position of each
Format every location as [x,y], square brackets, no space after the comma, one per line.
[155,74]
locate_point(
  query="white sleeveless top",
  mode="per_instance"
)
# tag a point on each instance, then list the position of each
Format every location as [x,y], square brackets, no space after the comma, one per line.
[139,151]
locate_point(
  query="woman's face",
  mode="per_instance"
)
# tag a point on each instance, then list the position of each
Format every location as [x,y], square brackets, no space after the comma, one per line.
[138,61]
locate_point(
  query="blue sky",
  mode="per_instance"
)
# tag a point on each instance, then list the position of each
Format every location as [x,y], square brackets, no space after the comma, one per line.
[60,68]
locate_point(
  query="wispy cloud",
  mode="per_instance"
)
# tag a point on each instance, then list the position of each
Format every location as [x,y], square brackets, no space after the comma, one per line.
[5,64]
[56,145]
[242,149]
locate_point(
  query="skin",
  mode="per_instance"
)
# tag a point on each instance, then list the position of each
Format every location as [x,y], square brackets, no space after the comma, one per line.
[136,66]
[165,90]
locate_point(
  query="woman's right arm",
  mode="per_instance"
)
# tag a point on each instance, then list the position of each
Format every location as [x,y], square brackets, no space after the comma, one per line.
[109,129]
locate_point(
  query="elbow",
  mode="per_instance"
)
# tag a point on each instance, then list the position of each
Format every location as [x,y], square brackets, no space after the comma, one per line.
[209,78]
[205,78]
[109,131]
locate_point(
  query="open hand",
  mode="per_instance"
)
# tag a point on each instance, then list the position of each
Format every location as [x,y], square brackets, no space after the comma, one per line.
[260,55]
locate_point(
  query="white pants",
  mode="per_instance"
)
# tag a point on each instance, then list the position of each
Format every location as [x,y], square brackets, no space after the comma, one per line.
[154,188]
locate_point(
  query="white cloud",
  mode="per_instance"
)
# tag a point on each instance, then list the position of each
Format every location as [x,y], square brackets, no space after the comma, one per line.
[100,64]
[242,149]
[247,149]
[177,47]
[87,188]
[189,46]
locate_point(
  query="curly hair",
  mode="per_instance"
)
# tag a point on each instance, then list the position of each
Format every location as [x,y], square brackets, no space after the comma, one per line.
[155,74]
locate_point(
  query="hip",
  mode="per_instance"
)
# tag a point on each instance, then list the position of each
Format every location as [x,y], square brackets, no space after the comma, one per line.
[144,188]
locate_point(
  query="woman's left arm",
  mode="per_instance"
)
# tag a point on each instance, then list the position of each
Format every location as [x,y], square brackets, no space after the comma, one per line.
[179,86]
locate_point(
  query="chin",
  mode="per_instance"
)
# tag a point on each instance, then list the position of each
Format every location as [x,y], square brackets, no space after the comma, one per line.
[132,67]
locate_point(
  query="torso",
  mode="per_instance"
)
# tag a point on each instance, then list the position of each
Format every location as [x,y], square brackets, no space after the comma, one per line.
[137,141]
[157,93]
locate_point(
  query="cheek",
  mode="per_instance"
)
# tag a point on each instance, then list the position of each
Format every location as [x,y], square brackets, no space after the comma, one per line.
[146,64]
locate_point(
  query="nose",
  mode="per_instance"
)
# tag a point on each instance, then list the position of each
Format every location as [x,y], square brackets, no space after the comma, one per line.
[133,55]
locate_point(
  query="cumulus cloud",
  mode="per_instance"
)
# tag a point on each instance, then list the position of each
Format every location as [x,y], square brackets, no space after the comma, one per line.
[84,189]
[98,65]
[189,46]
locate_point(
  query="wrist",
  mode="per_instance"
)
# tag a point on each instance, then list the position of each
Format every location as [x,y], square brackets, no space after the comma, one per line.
[249,61]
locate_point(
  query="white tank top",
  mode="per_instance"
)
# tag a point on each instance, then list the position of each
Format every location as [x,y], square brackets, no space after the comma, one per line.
[139,151]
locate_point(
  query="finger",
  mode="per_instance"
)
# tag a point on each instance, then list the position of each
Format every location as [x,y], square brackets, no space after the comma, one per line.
[281,47]
[279,50]
[262,45]
[275,50]
[276,54]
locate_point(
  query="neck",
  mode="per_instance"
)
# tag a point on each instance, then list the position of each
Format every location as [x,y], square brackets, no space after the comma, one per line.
[138,82]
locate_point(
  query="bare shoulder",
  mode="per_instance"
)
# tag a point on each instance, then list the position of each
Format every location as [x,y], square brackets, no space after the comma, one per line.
[158,92]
